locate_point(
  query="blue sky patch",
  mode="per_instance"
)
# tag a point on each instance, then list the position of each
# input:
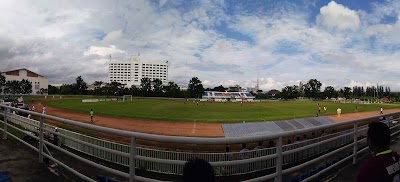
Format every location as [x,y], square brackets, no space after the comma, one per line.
[231,34]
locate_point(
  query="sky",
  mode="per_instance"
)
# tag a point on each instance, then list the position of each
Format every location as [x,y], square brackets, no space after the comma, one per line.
[340,43]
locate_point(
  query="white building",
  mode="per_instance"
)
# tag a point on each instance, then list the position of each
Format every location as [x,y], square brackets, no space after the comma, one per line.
[131,72]
[38,81]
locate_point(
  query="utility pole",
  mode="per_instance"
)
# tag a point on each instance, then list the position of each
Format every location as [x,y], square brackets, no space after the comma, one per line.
[258,83]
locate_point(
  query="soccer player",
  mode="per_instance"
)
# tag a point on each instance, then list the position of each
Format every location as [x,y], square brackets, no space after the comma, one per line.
[44,109]
[319,109]
[384,165]
[91,115]
[338,112]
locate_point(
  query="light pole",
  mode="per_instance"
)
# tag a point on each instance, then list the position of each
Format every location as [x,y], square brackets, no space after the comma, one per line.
[377,93]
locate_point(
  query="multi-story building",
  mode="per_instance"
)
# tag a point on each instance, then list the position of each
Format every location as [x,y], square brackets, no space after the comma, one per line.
[131,72]
[40,84]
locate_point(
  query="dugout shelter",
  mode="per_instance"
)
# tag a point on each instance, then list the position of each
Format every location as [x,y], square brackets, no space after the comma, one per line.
[227,96]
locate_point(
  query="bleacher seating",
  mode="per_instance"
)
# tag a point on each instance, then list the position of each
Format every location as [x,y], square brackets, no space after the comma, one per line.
[105,179]
[4,178]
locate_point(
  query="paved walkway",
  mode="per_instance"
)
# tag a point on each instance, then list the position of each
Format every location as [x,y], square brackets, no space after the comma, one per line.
[20,163]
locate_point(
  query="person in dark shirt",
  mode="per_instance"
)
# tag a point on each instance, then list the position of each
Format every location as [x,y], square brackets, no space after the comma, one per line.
[198,170]
[384,165]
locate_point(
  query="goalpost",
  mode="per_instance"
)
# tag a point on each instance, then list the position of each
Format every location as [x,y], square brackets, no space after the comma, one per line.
[126,97]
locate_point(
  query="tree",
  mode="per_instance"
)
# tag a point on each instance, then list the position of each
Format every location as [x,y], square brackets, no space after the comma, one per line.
[116,88]
[43,91]
[134,90]
[219,89]
[2,82]
[145,86]
[7,87]
[380,91]
[330,92]
[157,87]
[312,88]
[97,84]
[104,90]
[370,91]
[260,95]
[235,88]
[387,91]
[172,90]
[26,86]
[195,88]
[53,90]
[347,92]
[66,89]
[12,87]
[290,92]
[301,88]
[80,86]
[358,91]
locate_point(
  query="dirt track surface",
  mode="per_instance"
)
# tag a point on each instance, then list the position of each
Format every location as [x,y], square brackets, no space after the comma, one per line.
[170,127]
[141,125]
[358,115]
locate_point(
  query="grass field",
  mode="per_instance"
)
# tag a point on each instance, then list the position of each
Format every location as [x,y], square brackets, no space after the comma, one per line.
[169,110]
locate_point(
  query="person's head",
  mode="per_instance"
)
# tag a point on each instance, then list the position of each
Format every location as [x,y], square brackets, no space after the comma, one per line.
[198,170]
[244,146]
[91,109]
[271,143]
[378,136]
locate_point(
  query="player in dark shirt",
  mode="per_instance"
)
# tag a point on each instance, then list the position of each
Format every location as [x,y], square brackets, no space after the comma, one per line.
[384,165]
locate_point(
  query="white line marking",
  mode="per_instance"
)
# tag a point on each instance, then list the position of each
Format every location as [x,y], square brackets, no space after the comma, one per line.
[194,127]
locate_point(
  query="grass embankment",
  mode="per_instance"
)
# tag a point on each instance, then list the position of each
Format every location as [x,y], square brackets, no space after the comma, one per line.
[177,110]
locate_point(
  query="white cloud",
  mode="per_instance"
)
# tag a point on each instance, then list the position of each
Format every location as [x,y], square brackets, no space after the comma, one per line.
[113,37]
[353,83]
[230,83]
[337,16]
[285,46]
[102,51]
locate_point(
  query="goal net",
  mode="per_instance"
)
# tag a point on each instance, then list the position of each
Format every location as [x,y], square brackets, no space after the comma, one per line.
[127,98]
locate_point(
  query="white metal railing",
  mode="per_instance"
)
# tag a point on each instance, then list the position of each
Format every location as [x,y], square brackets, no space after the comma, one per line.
[30,124]
[160,161]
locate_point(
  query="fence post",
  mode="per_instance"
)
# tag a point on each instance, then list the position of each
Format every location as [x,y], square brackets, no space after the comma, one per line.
[132,160]
[279,160]
[5,123]
[41,140]
[355,143]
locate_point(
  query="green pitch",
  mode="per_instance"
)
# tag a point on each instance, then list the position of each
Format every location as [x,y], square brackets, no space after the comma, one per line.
[178,110]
